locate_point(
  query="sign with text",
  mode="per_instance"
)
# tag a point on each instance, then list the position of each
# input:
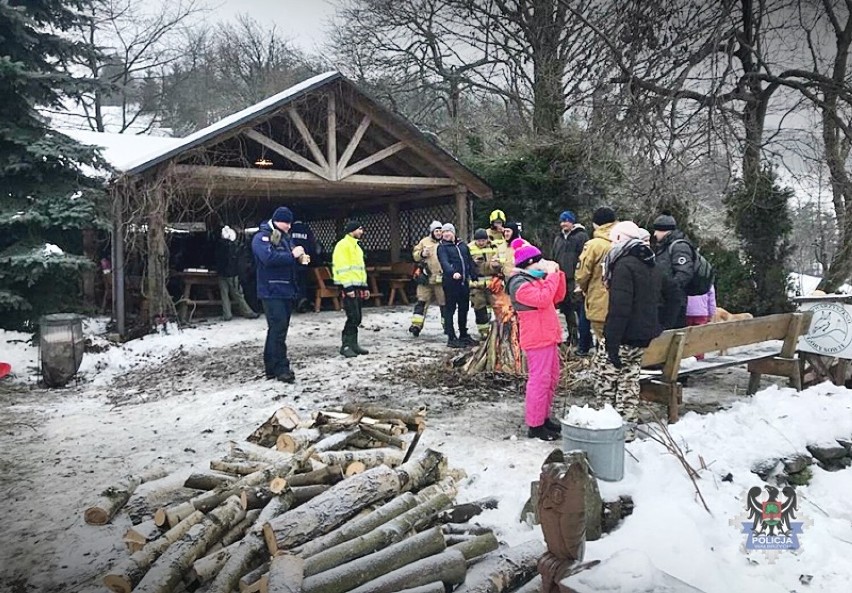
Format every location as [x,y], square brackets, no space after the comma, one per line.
[831,329]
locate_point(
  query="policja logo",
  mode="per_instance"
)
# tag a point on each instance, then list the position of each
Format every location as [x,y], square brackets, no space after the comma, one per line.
[770,527]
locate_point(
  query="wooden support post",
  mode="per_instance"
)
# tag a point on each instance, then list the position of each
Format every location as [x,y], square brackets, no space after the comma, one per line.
[797,322]
[395,235]
[670,373]
[461,213]
[157,258]
[118,310]
[753,382]
[331,144]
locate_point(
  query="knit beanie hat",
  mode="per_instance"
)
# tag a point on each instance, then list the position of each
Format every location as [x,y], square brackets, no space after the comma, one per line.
[567,216]
[351,226]
[480,234]
[625,230]
[282,214]
[449,227]
[515,228]
[435,225]
[525,253]
[603,216]
[665,222]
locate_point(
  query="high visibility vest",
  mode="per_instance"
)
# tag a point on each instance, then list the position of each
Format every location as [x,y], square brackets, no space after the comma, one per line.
[482,257]
[347,263]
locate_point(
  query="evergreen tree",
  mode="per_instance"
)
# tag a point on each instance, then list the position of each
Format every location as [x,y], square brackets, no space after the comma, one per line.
[45,197]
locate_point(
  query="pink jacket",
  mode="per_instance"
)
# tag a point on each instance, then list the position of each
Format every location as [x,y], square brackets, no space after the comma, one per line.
[535,301]
[703,305]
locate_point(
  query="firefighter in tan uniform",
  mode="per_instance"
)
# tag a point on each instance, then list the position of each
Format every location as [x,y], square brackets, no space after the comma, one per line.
[488,264]
[427,277]
[497,220]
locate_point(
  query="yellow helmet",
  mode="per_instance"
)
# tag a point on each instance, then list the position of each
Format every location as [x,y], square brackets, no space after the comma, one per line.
[497,215]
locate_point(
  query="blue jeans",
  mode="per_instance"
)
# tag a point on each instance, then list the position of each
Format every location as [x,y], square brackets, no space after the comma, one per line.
[278,313]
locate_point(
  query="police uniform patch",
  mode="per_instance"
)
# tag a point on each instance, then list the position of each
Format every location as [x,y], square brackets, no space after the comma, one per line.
[265,239]
[681,260]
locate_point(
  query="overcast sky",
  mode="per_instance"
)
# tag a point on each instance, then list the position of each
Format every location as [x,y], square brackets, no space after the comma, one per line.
[302,21]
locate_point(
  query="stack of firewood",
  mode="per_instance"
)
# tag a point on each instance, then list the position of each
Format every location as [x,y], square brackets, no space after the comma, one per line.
[339,502]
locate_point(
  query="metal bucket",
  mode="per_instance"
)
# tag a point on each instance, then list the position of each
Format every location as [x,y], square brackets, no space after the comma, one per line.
[61,346]
[603,447]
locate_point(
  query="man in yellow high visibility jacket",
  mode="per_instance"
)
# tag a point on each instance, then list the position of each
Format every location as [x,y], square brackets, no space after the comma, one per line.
[488,264]
[350,273]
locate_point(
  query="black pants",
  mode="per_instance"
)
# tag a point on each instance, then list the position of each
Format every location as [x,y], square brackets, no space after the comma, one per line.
[352,307]
[278,313]
[458,296]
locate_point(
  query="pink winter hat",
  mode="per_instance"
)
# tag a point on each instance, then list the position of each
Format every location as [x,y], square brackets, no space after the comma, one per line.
[525,253]
[624,231]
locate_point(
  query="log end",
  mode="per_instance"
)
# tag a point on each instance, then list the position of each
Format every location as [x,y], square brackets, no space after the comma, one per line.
[277,485]
[117,583]
[96,516]
[286,443]
[160,517]
[269,537]
[356,467]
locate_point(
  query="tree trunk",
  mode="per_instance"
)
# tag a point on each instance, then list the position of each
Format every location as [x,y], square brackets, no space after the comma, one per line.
[449,567]
[239,467]
[357,572]
[139,535]
[286,574]
[290,442]
[125,575]
[502,570]
[330,509]
[169,569]
[370,458]
[115,497]
[478,546]
[381,537]
[208,480]
[250,549]
[358,527]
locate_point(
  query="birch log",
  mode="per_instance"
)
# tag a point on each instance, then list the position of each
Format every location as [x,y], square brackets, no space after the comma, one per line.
[411,419]
[331,474]
[290,442]
[449,567]
[125,575]
[337,440]
[139,535]
[253,581]
[328,510]
[286,574]
[208,480]
[357,572]
[239,467]
[169,569]
[502,570]
[116,496]
[477,546]
[257,453]
[370,458]
[436,587]
[381,537]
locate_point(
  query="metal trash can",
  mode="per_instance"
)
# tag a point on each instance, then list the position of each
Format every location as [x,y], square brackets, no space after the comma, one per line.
[604,448]
[61,346]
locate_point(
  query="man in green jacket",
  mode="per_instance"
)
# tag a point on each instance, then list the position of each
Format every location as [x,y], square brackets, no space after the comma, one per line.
[350,273]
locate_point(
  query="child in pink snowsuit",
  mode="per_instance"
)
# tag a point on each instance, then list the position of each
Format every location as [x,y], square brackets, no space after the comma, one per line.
[535,287]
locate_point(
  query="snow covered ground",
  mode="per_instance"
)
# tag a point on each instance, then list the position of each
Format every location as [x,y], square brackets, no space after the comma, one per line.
[177,398]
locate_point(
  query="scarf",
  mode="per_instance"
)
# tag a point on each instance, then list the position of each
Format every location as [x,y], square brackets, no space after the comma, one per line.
[619,250]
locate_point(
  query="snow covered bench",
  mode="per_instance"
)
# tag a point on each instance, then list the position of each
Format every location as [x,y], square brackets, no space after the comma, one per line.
[673,345]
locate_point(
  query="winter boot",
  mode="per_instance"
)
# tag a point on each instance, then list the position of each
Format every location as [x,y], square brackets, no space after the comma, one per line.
[541,432]
[357,347]
[346,349]
[468,340]
[414,330]
[453,341]
[552,426]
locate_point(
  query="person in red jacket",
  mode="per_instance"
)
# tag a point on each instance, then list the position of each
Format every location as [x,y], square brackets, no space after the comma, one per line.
[536,286]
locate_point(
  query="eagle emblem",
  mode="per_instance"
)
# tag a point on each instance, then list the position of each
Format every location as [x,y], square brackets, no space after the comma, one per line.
[772,516]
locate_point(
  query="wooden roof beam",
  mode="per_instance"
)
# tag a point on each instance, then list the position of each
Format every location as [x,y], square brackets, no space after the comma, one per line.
[372,159]
[307,137]
[287,153]
[353,143]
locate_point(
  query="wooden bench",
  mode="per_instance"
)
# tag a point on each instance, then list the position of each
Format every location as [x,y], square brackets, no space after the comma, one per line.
[673,345]
[399,281]
[325,289]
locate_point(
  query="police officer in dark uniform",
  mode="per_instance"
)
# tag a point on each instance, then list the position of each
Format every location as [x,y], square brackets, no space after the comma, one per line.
[675,257]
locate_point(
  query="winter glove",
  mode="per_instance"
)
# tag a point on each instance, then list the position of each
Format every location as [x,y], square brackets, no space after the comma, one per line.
[275,236]
[614,358]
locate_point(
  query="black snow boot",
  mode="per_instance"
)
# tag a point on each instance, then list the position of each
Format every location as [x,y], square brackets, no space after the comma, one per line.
[356,346]
[346,349]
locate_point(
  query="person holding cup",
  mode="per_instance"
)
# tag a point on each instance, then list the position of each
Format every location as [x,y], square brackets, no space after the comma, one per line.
[350,273]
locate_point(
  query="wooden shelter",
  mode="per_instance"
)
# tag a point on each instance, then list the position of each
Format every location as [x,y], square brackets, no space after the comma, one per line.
[323,148]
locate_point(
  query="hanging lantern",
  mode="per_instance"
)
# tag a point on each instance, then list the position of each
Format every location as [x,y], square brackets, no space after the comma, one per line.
[61,346]
[263,163]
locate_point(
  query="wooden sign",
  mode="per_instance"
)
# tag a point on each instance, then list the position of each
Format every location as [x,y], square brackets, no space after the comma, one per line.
[830,333]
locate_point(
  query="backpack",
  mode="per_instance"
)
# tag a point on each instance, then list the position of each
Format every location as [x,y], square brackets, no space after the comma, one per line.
[702,272]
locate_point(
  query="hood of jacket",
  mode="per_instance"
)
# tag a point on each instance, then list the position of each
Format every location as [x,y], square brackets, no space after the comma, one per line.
[668,239]
[602,232]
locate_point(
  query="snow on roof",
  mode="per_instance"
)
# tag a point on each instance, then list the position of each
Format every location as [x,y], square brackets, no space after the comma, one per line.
[121,150]
[231,121]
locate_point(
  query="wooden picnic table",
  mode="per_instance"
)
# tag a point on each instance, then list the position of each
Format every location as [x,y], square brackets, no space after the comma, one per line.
[206,283]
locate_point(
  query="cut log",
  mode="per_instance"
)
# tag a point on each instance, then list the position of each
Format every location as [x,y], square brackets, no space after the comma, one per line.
[290,442]
[238,531]
[449,567]
[284,419]
[370,458]
[337,441]
[169,568]
[465,529]
[504,569]
[411,419]
[358,527]
[257,453]
[341,419]
[113,498]
[462,513]
[478,546]
[446,486]
[249,551]
[205,569]
[355,468]
[422,470]
[378,435]
[330,474]
[436,587]
[125,575]
[253,581]
[208,500]
[239,467]
[286,574]
[256,498]
[208,480]
[328,510]
[357,572]
[139,535]
[381,537]
[458,539]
